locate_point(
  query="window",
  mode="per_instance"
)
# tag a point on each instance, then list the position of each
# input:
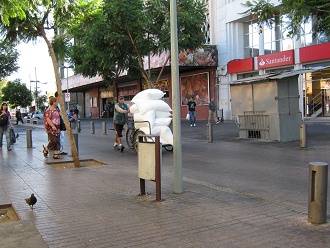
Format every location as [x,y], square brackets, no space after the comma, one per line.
[93,102]
[307,35]
[275,38]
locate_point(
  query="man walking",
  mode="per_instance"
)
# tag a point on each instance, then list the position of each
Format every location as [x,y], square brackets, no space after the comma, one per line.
[192,111]
[119,119]
[19,116]
[212,112]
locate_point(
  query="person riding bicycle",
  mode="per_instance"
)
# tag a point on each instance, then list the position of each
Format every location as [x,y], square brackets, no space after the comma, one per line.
[119,119]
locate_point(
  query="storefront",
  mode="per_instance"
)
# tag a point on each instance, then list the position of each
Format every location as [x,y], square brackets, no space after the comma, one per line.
[314,85]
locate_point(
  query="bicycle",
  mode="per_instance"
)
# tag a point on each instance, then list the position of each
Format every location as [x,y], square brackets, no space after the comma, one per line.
[132,137]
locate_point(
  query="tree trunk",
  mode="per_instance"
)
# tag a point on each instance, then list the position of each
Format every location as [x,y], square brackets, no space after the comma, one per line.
[60,97]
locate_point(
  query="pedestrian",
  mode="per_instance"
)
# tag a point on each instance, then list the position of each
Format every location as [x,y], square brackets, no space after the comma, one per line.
[5,125]
[212,112]
[19,116]
[52,125]
[119,119]
[61,131]
[192,111]
[73,117]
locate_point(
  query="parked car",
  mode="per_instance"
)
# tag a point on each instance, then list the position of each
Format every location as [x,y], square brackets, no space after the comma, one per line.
[36,115]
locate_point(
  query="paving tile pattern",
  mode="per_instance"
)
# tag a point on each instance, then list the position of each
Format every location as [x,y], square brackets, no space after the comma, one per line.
[101,206]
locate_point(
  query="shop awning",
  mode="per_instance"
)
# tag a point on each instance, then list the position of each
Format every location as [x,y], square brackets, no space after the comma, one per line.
[278,75]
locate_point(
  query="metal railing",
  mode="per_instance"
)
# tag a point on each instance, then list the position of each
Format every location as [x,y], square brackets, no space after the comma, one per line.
[315,103]
[255,124]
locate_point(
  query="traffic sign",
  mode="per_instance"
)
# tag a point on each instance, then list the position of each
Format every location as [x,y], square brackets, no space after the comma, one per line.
[67,97]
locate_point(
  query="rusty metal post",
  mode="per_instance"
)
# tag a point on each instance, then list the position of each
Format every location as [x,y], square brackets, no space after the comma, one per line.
[157,169]
[142,186]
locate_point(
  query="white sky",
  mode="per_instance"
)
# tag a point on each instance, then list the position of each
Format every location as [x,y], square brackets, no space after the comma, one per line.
[34,61]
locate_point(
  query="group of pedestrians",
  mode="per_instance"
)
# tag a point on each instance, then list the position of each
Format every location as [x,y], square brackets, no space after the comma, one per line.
[52,122]
[192,112]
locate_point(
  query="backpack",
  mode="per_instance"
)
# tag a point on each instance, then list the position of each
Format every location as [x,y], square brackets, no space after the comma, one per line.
[3,120]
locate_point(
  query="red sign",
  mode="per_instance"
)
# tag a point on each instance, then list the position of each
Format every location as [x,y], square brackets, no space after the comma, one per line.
[240,65]
[315,53]
[276,59]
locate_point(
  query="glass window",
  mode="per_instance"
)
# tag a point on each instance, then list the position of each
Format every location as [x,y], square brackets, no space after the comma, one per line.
[276,38]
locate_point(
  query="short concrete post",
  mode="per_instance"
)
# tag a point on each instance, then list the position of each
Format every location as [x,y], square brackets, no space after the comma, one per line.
[11,137]
[303,135]
[29,138]
[104,128]
[92,127]
[317,197]
[209,133]
[75,137]
[78,126]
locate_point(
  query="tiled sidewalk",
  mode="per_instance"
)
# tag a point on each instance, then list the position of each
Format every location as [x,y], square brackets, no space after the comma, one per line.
[100,206]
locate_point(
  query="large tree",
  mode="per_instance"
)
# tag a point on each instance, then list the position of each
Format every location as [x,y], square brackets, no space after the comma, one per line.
[16,94]
[120,35]
[297,11]
[8,59]
[40,16]
[14,9]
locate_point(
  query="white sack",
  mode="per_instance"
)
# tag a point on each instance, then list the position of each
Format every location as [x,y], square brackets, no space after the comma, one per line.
[157,105]
[165,133]
[162,114]
[162,121]
[134,109]
[149,94]
[148,116]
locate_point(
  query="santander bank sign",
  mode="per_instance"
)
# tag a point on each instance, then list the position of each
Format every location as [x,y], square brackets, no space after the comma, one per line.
[276,59]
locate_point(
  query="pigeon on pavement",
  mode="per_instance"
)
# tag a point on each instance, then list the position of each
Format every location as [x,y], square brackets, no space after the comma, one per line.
[31,201]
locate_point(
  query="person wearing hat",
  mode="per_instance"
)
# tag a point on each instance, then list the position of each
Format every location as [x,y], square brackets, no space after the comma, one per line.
[119,119]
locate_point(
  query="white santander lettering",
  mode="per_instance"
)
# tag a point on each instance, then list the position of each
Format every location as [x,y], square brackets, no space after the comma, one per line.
[278,60]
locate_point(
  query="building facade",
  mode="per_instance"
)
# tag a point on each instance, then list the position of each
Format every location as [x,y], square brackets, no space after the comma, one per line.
[244,49]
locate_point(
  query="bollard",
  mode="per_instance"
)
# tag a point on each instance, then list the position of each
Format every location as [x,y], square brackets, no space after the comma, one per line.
[317,196]
[75,137]
[92,127]
[29,138]
[104,128]
[209,133]
[78,126]
[11,137]
[303,132]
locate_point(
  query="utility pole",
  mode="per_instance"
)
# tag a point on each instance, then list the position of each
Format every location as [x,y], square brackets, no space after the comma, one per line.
[177,143]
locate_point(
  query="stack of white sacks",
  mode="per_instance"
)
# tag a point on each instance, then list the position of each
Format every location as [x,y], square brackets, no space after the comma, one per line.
[148,106]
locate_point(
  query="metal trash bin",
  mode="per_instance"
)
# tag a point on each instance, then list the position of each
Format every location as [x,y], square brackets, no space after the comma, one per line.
[149,162]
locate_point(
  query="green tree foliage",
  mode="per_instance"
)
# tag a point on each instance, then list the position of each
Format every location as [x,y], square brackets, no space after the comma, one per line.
[16,94]
[8,59]
[298,12]
[39,17]
[14,9]
[40,102]
[119,36]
